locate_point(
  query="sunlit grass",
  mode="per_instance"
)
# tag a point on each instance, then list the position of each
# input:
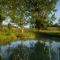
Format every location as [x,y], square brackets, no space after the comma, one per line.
[12,34]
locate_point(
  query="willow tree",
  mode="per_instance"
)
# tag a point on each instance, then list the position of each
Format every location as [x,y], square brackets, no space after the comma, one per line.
[13,8]
[40,9]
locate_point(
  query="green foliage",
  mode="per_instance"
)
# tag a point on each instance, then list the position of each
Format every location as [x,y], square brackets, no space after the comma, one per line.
[40,10]
[37,9]
[12,34]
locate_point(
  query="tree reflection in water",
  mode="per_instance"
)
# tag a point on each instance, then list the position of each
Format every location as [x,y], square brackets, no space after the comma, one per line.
[37,52]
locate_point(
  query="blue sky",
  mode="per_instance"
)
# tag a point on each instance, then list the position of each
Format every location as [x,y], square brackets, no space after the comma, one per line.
[58,10]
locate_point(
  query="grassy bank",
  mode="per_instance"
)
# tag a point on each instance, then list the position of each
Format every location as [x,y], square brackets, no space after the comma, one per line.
[12,34]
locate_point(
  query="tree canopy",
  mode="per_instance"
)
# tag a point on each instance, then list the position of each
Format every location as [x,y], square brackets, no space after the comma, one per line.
[40,9]
[37,9]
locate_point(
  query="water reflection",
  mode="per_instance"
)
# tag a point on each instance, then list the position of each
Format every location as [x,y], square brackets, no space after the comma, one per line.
[30,50]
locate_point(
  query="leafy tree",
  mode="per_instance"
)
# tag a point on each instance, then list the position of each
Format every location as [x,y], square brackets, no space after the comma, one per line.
[40,10]
[13,8]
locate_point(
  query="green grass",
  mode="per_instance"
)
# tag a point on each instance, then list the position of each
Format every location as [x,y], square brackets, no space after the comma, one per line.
[8,35]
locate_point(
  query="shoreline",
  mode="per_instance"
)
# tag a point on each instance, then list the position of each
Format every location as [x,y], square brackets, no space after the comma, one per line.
[8,35]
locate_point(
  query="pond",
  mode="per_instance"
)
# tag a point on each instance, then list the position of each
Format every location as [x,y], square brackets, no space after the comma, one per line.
[30,50]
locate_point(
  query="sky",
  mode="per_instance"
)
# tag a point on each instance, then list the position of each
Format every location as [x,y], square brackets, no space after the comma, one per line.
[57,14]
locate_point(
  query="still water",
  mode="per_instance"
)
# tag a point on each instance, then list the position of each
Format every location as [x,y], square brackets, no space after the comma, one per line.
[53,50]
